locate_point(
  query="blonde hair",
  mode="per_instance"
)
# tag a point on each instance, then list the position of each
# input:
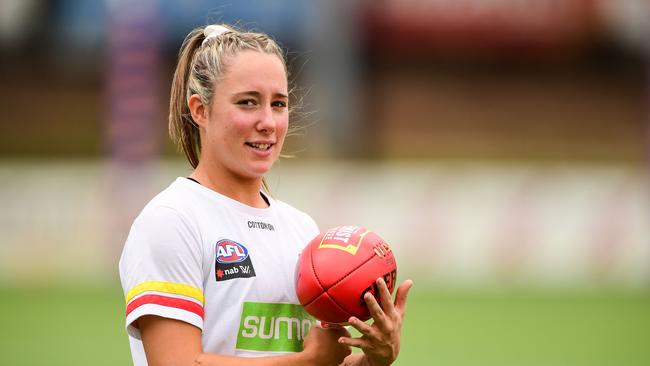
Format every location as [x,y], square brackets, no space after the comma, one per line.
[201,63]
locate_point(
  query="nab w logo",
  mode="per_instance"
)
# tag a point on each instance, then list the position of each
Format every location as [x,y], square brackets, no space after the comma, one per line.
[232,261]
[229,251]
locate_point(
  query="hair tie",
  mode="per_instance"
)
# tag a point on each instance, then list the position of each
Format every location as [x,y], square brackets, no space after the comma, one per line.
[212,31]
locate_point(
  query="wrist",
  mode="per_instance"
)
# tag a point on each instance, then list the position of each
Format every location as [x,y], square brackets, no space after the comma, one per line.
[367,361]
[356,359]
[305,357]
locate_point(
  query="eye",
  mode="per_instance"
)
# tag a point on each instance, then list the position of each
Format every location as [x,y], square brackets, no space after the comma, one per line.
[247,102]
[279,104]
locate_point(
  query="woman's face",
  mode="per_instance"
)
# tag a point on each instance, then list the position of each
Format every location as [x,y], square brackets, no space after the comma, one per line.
[248,119]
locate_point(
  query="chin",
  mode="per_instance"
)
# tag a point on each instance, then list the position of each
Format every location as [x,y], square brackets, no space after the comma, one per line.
[259,170]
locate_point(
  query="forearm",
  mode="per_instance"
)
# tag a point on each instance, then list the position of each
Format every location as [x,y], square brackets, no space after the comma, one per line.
[172,342]
[210,359]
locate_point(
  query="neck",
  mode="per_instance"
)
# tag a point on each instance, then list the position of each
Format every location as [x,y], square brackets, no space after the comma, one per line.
[244,190]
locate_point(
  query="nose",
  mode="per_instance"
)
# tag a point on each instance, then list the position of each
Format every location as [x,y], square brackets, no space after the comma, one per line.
[266,121]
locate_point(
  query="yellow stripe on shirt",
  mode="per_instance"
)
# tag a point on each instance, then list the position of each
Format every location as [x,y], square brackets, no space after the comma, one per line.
[166,287]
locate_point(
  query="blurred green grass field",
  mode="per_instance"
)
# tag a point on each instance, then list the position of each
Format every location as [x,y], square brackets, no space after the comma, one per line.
[84,326]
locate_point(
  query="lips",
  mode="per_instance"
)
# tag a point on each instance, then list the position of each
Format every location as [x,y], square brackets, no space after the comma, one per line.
[259,146]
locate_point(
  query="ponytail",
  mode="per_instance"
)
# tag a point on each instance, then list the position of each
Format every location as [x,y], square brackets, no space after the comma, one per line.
[182,128]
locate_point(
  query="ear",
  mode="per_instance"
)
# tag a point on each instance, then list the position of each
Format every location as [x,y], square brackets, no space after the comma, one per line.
[198,110]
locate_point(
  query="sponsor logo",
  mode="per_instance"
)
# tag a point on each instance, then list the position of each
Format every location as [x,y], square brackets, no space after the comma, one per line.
[232,261]
[229,251]
[273,327]
[260,225]
[339,238]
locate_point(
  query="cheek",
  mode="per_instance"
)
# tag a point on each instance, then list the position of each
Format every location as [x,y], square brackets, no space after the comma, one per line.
[282,124]
[239,123]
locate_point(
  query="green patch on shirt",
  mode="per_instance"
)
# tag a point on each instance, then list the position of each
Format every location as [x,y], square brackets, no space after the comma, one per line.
[273,327]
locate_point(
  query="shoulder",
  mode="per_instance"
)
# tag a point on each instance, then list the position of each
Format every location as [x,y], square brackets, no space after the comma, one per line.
[290,213]
[289,210]
[176,196]
[177,200]
[170,208]
[165,227]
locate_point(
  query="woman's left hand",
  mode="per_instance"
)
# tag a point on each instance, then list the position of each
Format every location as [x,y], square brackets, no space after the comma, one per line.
[380,341]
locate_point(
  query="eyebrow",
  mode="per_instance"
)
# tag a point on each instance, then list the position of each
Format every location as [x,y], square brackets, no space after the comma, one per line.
[259,95]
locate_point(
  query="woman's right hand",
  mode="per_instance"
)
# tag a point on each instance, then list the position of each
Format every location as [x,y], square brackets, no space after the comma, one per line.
[321,346]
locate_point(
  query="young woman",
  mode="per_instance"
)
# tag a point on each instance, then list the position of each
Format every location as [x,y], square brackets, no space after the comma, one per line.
[208,267]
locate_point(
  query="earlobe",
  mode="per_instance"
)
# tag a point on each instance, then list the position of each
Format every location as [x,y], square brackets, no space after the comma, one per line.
[197,110]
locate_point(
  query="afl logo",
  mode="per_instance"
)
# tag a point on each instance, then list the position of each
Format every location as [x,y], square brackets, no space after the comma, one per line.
[229,251]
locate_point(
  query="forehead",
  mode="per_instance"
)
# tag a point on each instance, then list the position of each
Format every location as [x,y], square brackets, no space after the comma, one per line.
[252,70]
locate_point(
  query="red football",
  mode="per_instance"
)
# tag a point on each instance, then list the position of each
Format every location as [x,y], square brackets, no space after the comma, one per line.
[338,267]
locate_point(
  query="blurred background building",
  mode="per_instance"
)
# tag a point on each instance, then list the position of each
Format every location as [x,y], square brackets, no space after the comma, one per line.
[504,139]
[490,141]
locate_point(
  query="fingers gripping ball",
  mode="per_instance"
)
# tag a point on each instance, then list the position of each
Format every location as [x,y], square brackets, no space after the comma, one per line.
[338,267]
